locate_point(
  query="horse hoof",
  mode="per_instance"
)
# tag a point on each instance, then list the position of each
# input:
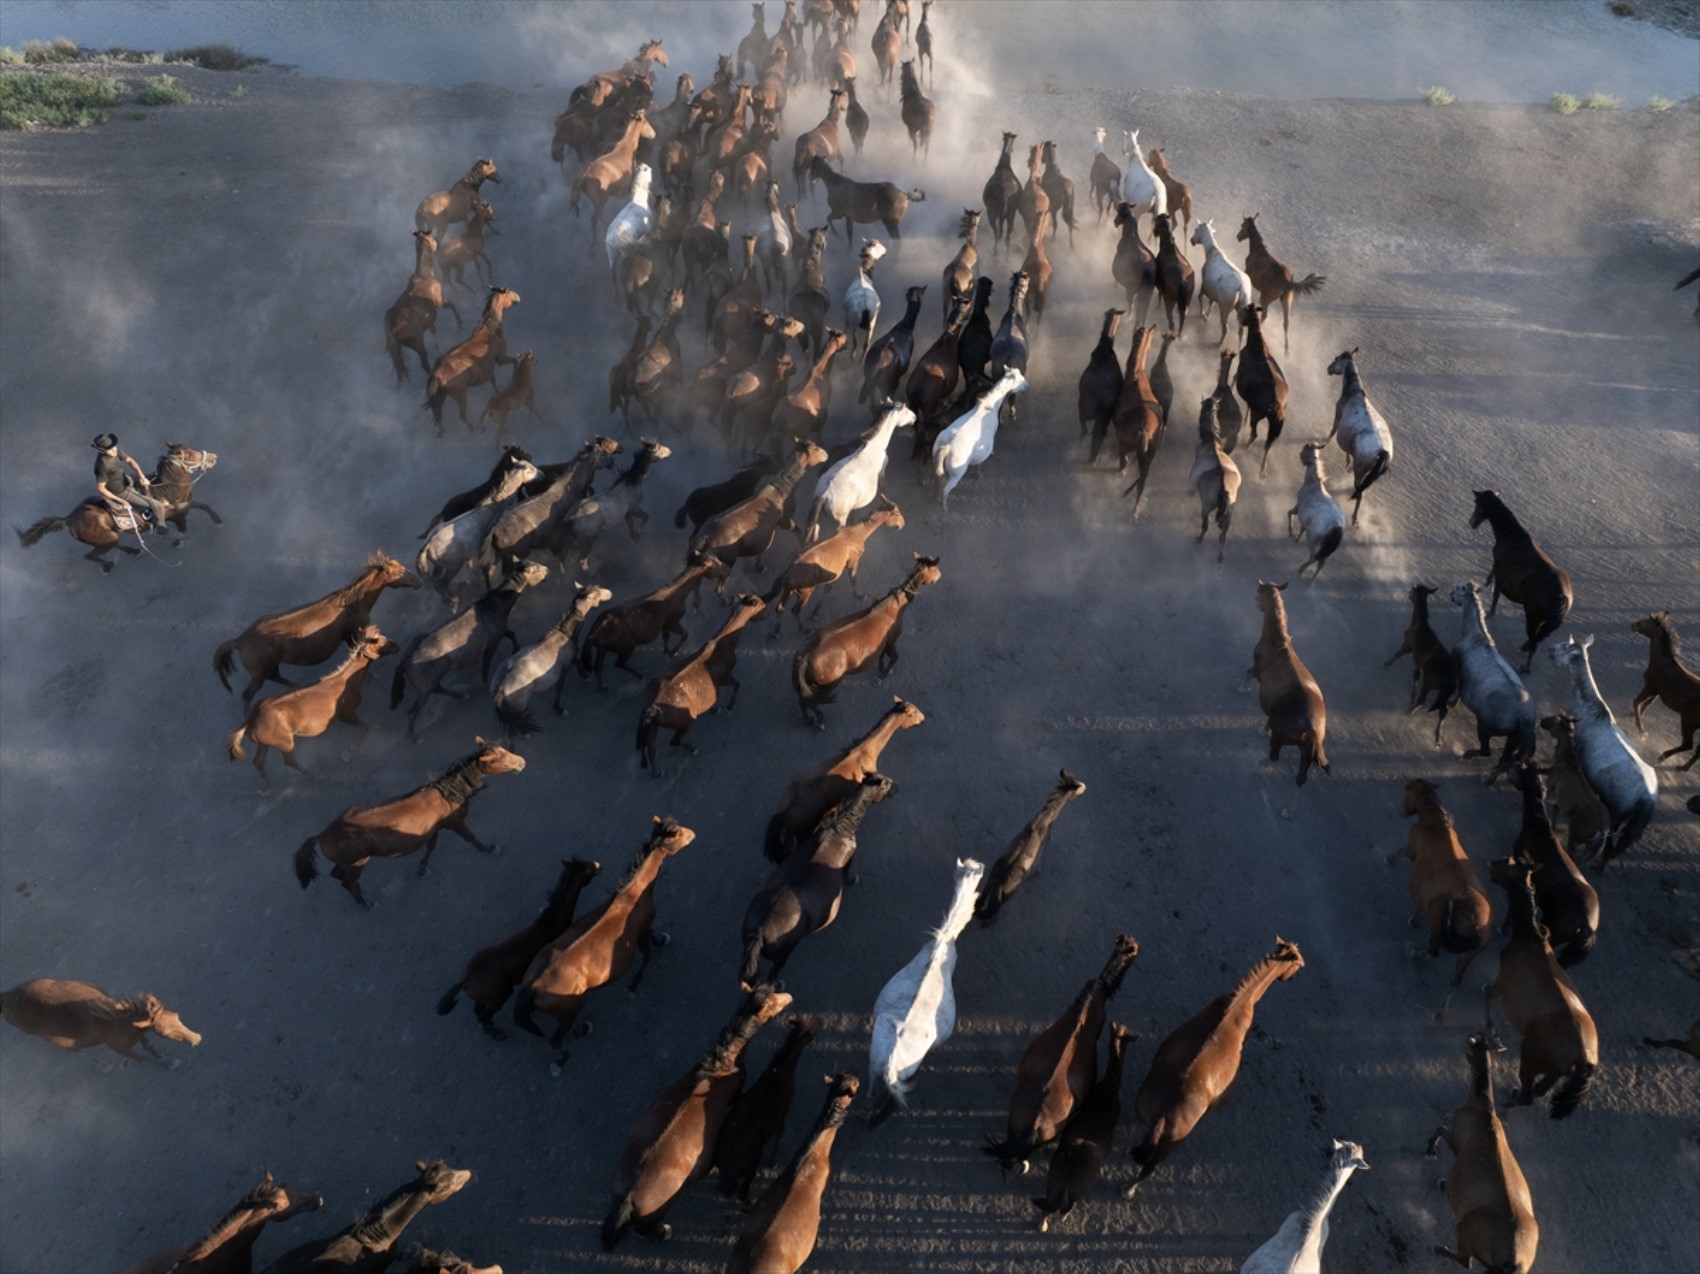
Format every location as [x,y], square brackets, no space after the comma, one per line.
[555,1069]
[174,1063]
[1022,1171]
[661,939]
[424,871]
[664,1233]
[1129,1191]
[1044,1225]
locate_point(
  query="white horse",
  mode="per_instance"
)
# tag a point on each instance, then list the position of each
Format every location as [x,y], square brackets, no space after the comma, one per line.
[861,301]
[917,1008]
[1627,784]
[1363,432]
[968,440]
[524,673]
[1320,519]
[453,545]
[631,223]
[854,481]
[773,245]
[1490,688]
[1141,187]
[1220,282]
[1297,1245]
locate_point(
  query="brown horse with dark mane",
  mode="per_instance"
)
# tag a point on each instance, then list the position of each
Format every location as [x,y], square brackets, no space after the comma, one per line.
[1524,573]
[756,1122]
[1260,382]
[228,1248]
[850,645]
[780,1234]
[369,1244]
[808,797]
[92,522]
[415,310]
[473,362]
[1286,691]
[1668,680]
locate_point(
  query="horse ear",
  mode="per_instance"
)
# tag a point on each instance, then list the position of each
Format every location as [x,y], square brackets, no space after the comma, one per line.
[479,740]
[419,1164]
[1281,588]
[1587,641]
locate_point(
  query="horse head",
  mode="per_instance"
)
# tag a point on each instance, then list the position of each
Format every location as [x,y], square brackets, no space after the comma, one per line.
[371,643]
[390,573]
[1343,364]
[1287,955]
[1348,1156]
[1248,227]
[485,170]
[1419,795]
[1464,592]
[1269,598]
[495,759]
[165,1023]
[668,836]
[925,571]
[437,1181]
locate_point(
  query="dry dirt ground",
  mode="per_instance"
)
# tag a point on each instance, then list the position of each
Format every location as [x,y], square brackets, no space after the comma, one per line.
[216,275]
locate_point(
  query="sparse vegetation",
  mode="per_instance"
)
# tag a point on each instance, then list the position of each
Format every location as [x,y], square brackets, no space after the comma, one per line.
[1436,96]
[163,90]
[241,90]
[10,56]
[218,57]
[138,114]
[1565,103]
[1601,102]
[119,53]
[56,101]
[61,50]
[1659,105]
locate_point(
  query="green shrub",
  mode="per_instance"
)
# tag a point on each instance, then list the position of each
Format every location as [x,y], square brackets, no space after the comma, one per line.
[1565,103]
[61,50]
[217,57]
[1601,102]
[241,90]
[118,53]
[162,90]
[1436,96]
[1659,105]
[10,56]
[56,101]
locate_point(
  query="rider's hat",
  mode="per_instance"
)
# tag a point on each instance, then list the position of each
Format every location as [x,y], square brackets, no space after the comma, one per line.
[104,441]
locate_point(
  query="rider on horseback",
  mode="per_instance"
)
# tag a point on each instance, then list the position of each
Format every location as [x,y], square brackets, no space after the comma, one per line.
[117,488]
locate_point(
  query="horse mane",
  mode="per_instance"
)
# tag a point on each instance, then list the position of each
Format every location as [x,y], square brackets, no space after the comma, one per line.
[1427,800]
[461,780]
[376,563]
[739,1031]
[369,1224]
[114,1009]
[1497,508]
[665,828]
[1666,631]
[1261,967]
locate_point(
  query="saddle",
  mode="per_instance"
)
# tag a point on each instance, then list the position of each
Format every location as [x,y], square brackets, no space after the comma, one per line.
[125,517]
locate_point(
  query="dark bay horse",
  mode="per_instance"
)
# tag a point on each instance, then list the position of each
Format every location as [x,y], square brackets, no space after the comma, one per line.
[368,1244]
[756,1121]
[228,1248]
[93,524]
[1017,862]
[406,824]
[1669,680]
[1524,573]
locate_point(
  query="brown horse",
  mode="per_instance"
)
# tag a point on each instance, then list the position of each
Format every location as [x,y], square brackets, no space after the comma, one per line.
[756,1121]
[747,528]
[1260,382]
[1137,419]
[468,249]
[854,643]
[691,688]
[228,1248]
[1490,1198]
[1444,885]
[1018,861]
[415,310]
[1287,693]
[1037,266]
[1559,1039]
[438,212]
[809,796]
[661,367]
[821,565]
[92,522]
[1668,679]
[1195,1067]
[76,1015]
[1060,1066]
[611,172]
[1085,1144]
[780,1235]
[803,412]
[1524,573]
[517,393]
[1133,267]
[600,945]
[493,972]
[819,143]
[1175,281]
[420,1259]
[1060,190]
[1273,280]
[1215,477]
[1228,410]
[473,362]
[309,634]
[855,202]
[1569,906]
[673,1142]
[1433,669]
[405,825]
[1034,199]
[1180,194]
[1002,193]
[276,722]
[369,1244]
[918,112]
[620,629]
[598,88]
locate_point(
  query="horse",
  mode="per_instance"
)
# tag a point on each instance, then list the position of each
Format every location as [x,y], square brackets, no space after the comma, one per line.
[540,521]
[1001,194]
[855,115]
[1085,1143]
[756,1122]
[1444,885]
[369,1243]
[473,362]
[747,528]
[620,505]
[1287,693]
[1142,189]
[1260,382]
[1669,680]
[452,546]
[1433,669]
[77,1015]
[309,634]
[621,629]
[1174,275]
[803,412]
[802,895]
[406,824]
[706,501]
[967,441]
[775,244]
[493,972]
[861,300]
[1009,347]
[514,457]
[748,397]
[1362,430]
[854,202]
[414,312]
[468,249]
[1060,1067]
[849,645]
[422,1260]
[1021,857]
[511,397]
[436,213]
[1228,412]
[276,722]
[598,88]
[1569,905]
[1273,280]
[1215,477]
[599,947]
[916,1009]
[1059,189]
[1036,265]
[611,171]
[1101,383]
[1627,784]
[522,674]
[1489,688]
[93,523]
[887,44]
[780,1233]
[1105,179]
[1220,283]
[1319,518]
[673,1142]
[1162,384]
[1297,1245]
[229,1245]
[819,143]
[657,373]
[924,50]
[691,687]
[960,273]
[1138,422]
[1560,1044]
[631,223]
[821,565]
[808,301]
[887,359]
[809,796]
[1177,195]
[752,49]
[1195,1067]
[1034,199]
[1133,267]
[918,112]
[1587,821]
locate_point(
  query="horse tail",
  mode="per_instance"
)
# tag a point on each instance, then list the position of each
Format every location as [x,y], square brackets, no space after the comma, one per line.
[519,720]
[446,1005]
[1577,949]
[1457,931]
[236,742]
[398,683]
[618,1221]
[392,347]
[46,526]
[1305,286]
[1330,542]
[649,726]
[773,841]
[752,960]
[682,514]
[1382,460]
[806,693]
[1007,1152]
[1568,1096]
[306,870]
[524,1003]
[224,661]
[917,196]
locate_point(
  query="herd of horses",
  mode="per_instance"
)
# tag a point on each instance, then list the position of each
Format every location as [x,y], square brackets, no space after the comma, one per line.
[528,524]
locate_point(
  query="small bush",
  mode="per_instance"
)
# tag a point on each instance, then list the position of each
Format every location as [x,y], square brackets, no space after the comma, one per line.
[162,90]
[218,57]
[10,56]
[1659,105]
[1436,96]
[61,50]
[56,101]
[1565,103]
[137,57]
[1601,102]
[241,90]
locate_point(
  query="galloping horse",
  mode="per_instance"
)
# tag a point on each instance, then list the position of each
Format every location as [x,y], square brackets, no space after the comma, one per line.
[229,1245]
[368,1244]
[1524,573]
[92,522]
[1286,690]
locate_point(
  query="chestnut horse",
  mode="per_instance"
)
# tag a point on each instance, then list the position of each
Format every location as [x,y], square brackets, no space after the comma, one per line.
[369,1243]
[406,824]
[610,173]
[473,362]
[809,796]
[228,1247]
[691,688]
[1524,573]
[415,310]
[780,1234]
[1667,679]
[1286,691]
[77,1015]
[438,212]
[850,645]
[92,522]
[1444,885]
[1273,280]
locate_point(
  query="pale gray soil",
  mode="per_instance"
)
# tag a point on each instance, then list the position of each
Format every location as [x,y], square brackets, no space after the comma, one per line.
[216,275]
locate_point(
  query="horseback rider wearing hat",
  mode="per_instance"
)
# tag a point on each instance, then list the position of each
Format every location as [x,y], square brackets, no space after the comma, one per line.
[112,479]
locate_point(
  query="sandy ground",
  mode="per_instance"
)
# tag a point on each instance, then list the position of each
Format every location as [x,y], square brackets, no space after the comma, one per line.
[216,275]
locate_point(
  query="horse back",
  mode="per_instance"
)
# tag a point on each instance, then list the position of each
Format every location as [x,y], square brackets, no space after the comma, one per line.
[596,950]
[414,816]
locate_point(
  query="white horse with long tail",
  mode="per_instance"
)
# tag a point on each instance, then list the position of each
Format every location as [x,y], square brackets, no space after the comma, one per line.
[1490,688]
[1627,784]
[1141,187]
[854,481]
[969,439]
[1362,430]
[1220,283]
[1320,520]
[917,1008]
[1297,1245]
[631,223]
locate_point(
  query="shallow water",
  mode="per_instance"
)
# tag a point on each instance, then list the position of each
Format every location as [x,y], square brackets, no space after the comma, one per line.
[1509,50]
